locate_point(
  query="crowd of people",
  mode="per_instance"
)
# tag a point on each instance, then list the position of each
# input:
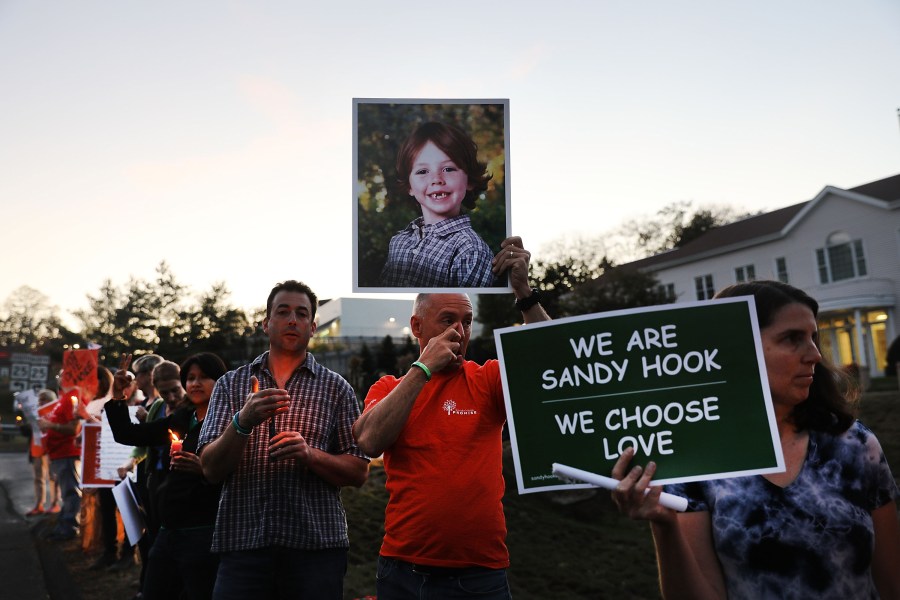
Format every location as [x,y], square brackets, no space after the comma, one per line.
[247,502]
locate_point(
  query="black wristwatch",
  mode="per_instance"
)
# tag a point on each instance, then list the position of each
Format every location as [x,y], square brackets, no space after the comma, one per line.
[524,304]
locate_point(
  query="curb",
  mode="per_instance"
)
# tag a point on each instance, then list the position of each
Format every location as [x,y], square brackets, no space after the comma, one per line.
[31,567]
[57,578]
[20,567]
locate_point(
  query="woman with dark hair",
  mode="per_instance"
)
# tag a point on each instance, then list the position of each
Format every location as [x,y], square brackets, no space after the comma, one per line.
[180,559]
[825,528]
[437,165]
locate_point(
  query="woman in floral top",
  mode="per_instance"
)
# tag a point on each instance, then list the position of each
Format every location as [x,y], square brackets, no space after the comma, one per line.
[825,528]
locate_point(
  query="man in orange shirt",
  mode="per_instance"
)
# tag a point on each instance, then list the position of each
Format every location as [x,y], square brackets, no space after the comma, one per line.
[439,428]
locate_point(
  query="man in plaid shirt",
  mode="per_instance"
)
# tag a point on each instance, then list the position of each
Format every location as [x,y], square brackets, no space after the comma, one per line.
[278,433]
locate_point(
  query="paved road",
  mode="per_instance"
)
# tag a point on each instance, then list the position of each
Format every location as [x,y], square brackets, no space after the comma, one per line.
[21,573]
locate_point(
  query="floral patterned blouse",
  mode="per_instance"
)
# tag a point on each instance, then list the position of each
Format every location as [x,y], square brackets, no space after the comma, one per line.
[813,538]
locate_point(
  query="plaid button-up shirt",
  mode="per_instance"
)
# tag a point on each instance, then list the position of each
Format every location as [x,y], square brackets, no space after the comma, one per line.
[278,503]
[445,254]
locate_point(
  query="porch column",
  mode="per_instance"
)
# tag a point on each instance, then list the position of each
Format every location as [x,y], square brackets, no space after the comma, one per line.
[863,350]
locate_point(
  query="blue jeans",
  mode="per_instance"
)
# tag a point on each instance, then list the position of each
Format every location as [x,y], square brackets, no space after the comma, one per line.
[399,580]
[180,563]
[278,572]
[65,470]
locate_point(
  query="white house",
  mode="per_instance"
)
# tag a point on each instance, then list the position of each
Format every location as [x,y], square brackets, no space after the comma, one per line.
[842,248]
[345,324]
[363,318]
[351,320]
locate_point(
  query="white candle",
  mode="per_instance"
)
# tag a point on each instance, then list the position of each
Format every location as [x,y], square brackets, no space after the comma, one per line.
[565,472]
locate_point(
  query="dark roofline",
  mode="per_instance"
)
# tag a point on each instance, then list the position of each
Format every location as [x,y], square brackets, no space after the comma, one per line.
[887,189]
[760,228]
[738,232]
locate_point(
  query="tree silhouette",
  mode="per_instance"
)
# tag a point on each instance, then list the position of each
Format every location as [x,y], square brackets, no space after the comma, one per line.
[28,322]
[161,316]
[386,359]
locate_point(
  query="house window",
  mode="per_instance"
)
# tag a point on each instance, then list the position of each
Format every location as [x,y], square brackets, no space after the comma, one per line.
[781,269]
[705,288]
[667,291]
[841,258]
[745,273]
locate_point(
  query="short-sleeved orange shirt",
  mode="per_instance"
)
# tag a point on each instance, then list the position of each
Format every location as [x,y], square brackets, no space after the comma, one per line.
[444,472]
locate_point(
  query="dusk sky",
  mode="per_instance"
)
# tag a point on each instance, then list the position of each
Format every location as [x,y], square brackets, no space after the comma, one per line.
[217,136]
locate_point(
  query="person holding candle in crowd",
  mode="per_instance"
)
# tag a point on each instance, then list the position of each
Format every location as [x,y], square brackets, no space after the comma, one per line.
[153,461]
[166,380]
[180,558]
[278,434]
[825,528]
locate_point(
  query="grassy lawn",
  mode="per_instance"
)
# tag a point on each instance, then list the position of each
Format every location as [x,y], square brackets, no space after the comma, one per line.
[580,550]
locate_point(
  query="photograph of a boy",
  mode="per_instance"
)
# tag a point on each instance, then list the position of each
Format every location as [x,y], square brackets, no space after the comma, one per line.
[439,167]
[431,203]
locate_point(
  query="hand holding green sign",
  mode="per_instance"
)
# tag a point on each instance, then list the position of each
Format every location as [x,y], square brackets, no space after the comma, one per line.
[684,385]
[567,473]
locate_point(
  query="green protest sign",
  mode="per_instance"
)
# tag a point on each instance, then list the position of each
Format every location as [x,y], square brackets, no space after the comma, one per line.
[685,385]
